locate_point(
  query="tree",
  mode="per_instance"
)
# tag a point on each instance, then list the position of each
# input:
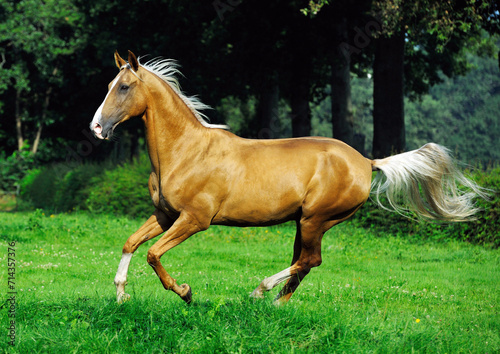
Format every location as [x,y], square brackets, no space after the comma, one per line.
[268,60]
[432,37]
[388,96]
[36,35]
[338,23]
[302,51]
[461,113]
[342,115]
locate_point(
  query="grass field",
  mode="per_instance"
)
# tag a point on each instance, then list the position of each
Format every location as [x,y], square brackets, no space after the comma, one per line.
[370,294]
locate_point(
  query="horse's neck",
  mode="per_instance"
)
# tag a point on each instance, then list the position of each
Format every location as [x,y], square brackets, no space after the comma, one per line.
[172,130]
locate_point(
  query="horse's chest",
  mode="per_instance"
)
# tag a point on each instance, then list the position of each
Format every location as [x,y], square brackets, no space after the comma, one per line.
[160,201]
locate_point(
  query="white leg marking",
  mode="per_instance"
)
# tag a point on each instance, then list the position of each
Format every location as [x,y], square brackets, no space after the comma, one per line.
[270,282]
[121,278]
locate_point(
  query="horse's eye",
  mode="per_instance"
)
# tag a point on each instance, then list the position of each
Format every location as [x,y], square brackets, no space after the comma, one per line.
[124,88]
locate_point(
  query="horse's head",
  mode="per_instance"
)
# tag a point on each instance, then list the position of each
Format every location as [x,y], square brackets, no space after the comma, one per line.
[126,98]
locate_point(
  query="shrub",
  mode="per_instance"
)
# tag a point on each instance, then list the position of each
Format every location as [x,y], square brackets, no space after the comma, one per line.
[38,188]
[13,168]
[100,188]
[58,187]
[122,190]
[73,189]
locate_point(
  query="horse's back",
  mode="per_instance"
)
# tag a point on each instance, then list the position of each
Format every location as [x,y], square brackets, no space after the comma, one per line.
[274,180]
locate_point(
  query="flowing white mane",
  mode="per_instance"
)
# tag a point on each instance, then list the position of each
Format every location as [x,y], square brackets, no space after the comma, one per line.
[166,69]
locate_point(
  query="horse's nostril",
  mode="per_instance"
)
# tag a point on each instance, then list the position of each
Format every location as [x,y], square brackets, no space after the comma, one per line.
[97,128]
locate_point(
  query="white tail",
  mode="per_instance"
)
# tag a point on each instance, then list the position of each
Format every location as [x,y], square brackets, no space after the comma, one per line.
[426,181]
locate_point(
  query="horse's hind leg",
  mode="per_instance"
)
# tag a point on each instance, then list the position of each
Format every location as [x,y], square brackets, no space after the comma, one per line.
[310,256]
[294,281]
[307,254]
[154,226]
[270,282]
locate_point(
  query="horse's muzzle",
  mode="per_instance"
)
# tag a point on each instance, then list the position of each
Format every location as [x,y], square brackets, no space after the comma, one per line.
[102,131]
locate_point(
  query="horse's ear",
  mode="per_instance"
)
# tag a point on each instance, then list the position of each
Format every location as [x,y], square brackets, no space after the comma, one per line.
[119,61]
[132,60]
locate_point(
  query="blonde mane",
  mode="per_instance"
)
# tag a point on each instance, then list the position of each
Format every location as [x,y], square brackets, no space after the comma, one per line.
[166,69]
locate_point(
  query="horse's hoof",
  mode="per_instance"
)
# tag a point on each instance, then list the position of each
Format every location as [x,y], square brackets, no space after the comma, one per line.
[186,293]
[280,301]
[257,293]
[121,298]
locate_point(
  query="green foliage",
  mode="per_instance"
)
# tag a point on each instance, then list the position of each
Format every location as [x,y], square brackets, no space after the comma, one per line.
[484,230]
[239,114]
[460,113]
[58,187]
[314,7]
[370,295]
[44,30]
[35,221]
[39,187]
[100,188]
[122,190]
[13,168]
[35,36]
[72,192]
[55,60]
[464,113]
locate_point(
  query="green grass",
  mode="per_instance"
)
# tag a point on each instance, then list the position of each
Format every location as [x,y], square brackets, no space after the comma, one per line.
[371,294]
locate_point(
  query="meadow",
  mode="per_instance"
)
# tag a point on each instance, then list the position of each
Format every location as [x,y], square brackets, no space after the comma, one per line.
[371,294]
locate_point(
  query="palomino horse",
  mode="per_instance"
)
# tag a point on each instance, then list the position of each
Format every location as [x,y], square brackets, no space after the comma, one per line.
[203,175]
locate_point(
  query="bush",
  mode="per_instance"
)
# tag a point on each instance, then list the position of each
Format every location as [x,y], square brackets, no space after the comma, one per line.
[38,188]
[122,190]
[100,188]
[13,168]
[73,189]
[484,230]
[57,188]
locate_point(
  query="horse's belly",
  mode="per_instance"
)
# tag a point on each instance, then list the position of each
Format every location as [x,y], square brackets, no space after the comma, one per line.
[260,206]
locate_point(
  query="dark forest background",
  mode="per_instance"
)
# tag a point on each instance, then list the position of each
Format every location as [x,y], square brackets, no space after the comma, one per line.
[383,76]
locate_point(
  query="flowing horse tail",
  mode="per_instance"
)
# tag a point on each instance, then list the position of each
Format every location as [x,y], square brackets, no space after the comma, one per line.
[427,181]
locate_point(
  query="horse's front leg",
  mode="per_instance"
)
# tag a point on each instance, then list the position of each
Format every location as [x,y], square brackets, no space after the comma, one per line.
[185,226]
[154,226]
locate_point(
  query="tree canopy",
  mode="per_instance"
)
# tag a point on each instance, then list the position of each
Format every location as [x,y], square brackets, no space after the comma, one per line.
[266,68]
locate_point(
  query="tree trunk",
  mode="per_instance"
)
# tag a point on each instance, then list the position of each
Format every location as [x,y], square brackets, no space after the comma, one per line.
[45,110]
[301,112]
[19,123]
[301,78]
[342,117]
[267,112]
[36,142]
[388,97]
[300,93]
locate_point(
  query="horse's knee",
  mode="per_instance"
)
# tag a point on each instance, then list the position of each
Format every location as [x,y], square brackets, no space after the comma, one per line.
[153,258]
